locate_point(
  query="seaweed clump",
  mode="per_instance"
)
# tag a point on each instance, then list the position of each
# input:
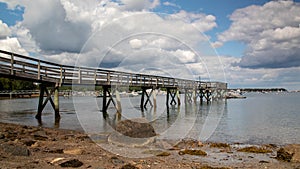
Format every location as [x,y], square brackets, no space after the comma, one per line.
[254,149]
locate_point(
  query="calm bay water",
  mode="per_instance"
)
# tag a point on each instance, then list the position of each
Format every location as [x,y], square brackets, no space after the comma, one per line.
[258,119]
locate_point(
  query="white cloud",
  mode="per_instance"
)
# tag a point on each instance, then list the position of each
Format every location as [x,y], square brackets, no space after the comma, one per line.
[200,21]
[271,33]
[136,43]
[25,38]
[4,30]
[261,77]
[185,56]
[12,45]
[134,5]
[124,36]
[167,3]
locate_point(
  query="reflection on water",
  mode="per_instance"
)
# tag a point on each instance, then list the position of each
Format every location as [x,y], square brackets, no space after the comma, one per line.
[259,119]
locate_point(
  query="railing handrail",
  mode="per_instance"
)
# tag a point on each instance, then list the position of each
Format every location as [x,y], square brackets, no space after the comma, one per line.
[46,69]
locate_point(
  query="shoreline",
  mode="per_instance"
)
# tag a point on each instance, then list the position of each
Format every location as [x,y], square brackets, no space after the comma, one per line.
[40,147]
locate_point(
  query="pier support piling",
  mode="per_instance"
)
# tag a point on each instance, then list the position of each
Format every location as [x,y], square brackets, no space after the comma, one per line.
[144,93]
[56,101]
[154,99]
[188,96]
[118,98]
[55,104]
[107,99]
[171,92]
[178,97]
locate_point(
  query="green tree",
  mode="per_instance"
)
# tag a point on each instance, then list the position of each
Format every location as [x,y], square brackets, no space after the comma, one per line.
[10,84]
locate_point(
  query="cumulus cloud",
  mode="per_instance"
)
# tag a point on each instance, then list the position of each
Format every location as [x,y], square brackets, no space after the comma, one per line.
[4,30]
[12,45]
[185,56]
[200,21]
[271,33]
[49,27]
[124,35]
[120,34]
[136,43]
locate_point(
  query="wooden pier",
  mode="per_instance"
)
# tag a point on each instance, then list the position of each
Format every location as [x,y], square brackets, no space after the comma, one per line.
[51,76]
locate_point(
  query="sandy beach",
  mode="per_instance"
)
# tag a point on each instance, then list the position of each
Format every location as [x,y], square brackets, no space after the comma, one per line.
[35,147]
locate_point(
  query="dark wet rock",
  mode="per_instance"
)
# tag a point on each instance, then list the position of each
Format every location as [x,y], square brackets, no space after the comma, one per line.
[133,133]
[271,146]
[193,152]
[2,136]
[284,155]
[16,150]
[40,137]
[116,160]
[28,142]
[188,144]
[263,161]
[290,153]
[129,166]
[26,127]
[82,137]
[254,149]
[136,128]
[72,163]
[11,135]
[54,150]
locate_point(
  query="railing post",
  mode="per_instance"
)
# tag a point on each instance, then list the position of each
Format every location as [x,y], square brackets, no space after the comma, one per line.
[61,75]
[178,97]
[131,79]
[121,78]
[39,70]
[12,61]
[95,77]
[108,78]
[79,76]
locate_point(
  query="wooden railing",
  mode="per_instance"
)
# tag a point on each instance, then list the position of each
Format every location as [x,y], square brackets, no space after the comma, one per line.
[14,65]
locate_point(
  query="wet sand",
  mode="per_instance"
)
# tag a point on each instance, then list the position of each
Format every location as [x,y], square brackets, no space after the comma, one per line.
[35,147]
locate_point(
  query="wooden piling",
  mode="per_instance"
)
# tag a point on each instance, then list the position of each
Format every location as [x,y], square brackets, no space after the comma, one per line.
[119,106]
[143,99]
[178,97]
[104,111]
[56,101]
[154,99]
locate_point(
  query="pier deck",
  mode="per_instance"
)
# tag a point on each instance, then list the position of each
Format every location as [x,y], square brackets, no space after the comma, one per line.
[48,74]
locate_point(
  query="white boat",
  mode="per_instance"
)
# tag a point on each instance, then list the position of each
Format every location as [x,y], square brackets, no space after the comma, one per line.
[234,95]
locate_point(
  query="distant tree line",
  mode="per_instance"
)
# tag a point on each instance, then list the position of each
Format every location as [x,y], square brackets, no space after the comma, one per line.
[262,89]
[11,84]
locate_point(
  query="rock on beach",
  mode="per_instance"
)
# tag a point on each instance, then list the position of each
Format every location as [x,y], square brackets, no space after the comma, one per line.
[290,153]
[133,133]
[136,128]
[16,150]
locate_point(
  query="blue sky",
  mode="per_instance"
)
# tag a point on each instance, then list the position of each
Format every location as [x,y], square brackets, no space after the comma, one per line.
[10,16]
[257,40]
